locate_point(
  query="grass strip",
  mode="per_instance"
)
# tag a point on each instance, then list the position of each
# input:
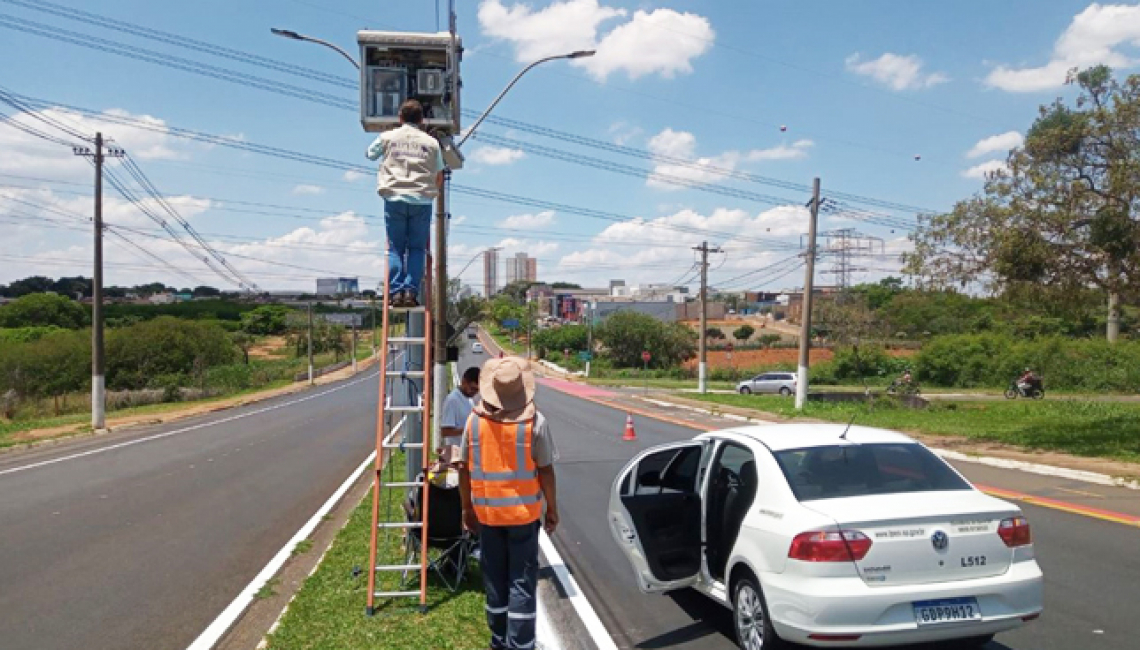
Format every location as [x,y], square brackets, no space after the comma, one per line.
[1082,428]
[328,611]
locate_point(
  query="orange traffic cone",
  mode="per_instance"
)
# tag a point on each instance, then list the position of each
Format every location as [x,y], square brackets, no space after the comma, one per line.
[630,434]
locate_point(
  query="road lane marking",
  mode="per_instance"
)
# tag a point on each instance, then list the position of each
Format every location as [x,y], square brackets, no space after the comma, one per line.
[1064,506]
[203,425]
[597,631]
[214,632]
[1072,508]
[1044,470]
[1093,495]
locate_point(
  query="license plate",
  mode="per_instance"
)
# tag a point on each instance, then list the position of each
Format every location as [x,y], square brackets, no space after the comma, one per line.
[947,610]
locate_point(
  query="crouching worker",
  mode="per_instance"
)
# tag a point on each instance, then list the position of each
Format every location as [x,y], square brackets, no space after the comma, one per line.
[507,473]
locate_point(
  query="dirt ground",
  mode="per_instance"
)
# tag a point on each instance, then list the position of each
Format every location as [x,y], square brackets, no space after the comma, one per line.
[269,348]
[757,358]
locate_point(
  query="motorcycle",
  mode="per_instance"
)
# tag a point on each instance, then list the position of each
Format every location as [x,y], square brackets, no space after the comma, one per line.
[1028,391]
[900,387]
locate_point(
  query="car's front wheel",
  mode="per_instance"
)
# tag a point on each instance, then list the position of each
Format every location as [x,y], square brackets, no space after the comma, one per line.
[753,627]
[785,391]
[744,390]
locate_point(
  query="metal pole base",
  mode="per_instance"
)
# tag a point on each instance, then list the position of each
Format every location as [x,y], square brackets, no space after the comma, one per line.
[423,609]
[369,611]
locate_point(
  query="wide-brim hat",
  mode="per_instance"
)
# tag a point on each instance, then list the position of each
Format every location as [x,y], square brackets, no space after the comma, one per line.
[507,386]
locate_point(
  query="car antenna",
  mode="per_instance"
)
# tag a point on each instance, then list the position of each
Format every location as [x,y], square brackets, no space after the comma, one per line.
[843,436]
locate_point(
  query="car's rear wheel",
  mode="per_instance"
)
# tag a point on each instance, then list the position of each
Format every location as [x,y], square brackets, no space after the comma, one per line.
[753,627]
[744,390]
[785,391]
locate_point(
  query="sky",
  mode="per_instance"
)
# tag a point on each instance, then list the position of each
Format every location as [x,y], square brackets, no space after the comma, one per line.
[695,121]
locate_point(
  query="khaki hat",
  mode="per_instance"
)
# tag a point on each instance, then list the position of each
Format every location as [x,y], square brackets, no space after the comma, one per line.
[507,386]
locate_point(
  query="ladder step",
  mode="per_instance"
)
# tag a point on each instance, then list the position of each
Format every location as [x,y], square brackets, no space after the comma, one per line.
[398,567]
[418,340]
[415,408]
[404,373]
[401,524]
[403,445]
[413,310]
[396,594]
[402,484]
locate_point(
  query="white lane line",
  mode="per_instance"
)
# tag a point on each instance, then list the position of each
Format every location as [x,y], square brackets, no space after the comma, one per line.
[1044,470]
[212,634]
[159,436]
[586,613]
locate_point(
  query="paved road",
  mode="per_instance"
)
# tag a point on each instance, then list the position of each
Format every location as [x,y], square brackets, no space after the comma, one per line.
[1091,567]
[143,545]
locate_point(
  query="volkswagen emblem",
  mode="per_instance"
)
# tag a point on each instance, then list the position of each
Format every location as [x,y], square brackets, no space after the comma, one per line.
[940,540]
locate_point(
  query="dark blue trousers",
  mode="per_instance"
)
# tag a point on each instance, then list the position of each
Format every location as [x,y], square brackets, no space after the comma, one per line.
[509,559]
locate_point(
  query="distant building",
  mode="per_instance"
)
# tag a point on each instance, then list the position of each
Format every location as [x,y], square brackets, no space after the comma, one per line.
[338,286]
[490,272]
[663,311]
[162,299]
[618,288]
[521,267]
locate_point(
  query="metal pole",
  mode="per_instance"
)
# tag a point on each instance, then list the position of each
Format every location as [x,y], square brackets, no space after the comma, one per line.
[310,343]
[439,347]
[354,343]
[286,33]
[702,367]
[373,310]
[809,288]
[589,336]
[98,385]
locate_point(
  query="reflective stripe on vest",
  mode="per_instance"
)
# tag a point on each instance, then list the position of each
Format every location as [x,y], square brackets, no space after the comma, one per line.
[504,486]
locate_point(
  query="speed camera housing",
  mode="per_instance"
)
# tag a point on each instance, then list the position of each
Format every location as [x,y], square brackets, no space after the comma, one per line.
[397,66]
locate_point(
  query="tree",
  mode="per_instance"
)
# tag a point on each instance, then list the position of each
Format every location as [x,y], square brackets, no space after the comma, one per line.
[75,287]
[152,352]
[463,311]
[1063,216]
[743,333]
[627,334]
[243,341]
[714,333]
[267,320]
[34,284]
[516,290]
[565,285]
[205,292]
[43,310]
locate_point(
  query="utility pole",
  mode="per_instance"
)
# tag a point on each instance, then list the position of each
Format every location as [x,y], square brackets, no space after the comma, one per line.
[354,342]
[373,311]
[589,336]
[310,343]
[439,309]
[529,329]
[98,374]
[809,288]
[702,368]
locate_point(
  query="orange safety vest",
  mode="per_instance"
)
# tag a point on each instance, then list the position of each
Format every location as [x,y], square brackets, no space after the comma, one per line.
[504,480]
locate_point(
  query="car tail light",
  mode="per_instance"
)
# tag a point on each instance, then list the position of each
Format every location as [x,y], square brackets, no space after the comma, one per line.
[830,546]
[1015,532]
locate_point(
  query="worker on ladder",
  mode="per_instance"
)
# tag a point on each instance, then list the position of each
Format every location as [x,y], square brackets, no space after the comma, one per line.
[410,177]
[508,471]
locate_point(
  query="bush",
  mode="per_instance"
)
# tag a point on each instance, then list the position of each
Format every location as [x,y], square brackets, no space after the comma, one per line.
[993,360]
[43,310]
[628,333]
[744,332]
[56,363]
[267,320]
[26,334]
[555,340]
[137,355]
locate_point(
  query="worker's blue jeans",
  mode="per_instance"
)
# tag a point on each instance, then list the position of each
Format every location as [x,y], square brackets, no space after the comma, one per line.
[509,559]
[408,227]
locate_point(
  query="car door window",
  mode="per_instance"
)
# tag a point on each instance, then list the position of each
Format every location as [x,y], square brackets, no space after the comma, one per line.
[673,471]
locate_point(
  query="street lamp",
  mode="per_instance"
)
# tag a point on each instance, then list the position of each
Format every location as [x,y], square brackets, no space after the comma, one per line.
[472,261]
[581,54]
[288,33]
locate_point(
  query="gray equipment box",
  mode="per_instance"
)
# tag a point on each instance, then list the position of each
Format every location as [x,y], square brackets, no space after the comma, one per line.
[396,66]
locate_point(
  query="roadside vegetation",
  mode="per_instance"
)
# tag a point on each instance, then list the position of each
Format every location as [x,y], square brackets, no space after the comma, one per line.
[156,356]
[328,611]
[1082,428]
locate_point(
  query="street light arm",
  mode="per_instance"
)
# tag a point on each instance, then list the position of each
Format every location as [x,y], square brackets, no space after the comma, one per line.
[286,33]
[572,55]
[472,261]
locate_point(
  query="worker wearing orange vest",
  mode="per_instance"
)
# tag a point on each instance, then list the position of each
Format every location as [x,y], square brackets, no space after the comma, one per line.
[506,477]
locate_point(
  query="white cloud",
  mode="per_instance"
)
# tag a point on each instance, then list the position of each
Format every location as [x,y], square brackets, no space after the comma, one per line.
[623,133]
[308,189]
[28,155]
[895,71]
[528,221]
[352,176]
[661,41]
[1000,143]
[670,147]
[979,172]
[1094,37]
[489,155]
[455,221]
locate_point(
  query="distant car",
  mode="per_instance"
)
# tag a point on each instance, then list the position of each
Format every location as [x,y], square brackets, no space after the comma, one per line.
[827,535]
[783,383]
[477,347]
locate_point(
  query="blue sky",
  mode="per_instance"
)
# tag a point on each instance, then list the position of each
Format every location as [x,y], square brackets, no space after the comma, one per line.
[849,92]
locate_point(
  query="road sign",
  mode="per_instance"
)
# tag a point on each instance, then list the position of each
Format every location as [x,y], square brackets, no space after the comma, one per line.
[511,323]
[585,356]
[645,356]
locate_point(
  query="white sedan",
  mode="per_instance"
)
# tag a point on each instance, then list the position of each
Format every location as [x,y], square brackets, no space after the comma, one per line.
[827,535]
[477,347]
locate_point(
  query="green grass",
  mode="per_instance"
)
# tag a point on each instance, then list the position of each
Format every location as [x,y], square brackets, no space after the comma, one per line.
[328,612]
[504,341]
[658,383]
[1083,428]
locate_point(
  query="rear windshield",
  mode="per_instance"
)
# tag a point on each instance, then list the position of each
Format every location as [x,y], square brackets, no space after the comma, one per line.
[858,470]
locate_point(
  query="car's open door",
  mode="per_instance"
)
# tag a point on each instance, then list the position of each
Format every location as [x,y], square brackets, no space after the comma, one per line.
[655,514]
